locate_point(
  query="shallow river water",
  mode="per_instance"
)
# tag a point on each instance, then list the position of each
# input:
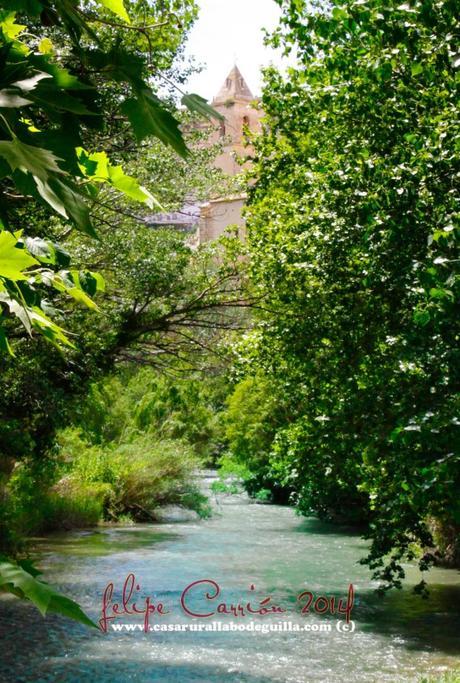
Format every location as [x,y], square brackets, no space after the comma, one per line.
[399,638]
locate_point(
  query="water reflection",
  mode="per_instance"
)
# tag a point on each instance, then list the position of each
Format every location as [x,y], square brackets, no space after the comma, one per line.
[101,541]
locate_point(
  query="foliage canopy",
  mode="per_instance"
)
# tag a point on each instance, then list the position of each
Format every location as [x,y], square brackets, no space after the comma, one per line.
[69,74]
[353,234]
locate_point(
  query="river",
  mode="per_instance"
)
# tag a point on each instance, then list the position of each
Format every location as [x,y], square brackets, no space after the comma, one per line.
[398,638]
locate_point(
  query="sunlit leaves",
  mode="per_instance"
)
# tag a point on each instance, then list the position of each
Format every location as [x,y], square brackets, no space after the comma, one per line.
[22,269]
[14,260]
[117,7]
[46,47]
[8,25]
[60,194]
[48,111]
[35,320]
[130,187]
[97,167]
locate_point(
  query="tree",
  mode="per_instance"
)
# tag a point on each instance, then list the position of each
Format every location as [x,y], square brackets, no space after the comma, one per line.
[55,96]
[72,77]
[354,244]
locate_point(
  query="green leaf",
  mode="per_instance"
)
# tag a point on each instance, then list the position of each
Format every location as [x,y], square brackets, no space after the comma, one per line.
[66,201]
[50,197]
[61,255]
[438,293]
[80,296]
[99,281]
[62,78]
[19,310]
[26,158]
[131,188]
[338,14]
[118,64]
[94,166]
[97,167]
[46,47]
[41,249]
[33,318]
[75,205]
[48,328]
[28,567]
[196,103]
[49,96]
[117,7]
[421,317]
[148,116]
[13,261]
[8,26]
[80,286]
[16,580]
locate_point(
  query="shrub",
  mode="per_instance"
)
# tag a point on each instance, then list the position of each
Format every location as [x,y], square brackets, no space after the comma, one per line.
[75,508]
[130,403]
[448,677]
[142,474]
[264,495]
[153,473]
[255,411]
[66,505]
[129,481]
[220,486]
[84,461]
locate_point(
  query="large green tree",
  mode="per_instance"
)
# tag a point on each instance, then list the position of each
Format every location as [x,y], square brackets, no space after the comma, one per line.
[353,236]
[74,83]
[79,90]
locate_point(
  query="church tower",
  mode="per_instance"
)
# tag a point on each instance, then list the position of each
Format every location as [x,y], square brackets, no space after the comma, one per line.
[234,89]
[235,102]
[238,106]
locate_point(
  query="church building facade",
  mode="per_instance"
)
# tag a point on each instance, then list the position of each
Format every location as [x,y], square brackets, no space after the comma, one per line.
[240,112]
[238,106]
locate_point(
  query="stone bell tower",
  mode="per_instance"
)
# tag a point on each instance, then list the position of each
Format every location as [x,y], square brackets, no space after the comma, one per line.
[238,106]
[236,103]
[209,221]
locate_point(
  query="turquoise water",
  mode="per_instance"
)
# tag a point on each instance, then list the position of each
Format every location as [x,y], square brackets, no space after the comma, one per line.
[398,638]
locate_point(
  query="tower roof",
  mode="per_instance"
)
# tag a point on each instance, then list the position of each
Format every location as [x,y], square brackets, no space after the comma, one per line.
[234,88]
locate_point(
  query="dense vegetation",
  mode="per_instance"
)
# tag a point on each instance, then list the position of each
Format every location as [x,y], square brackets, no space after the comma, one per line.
[353,240]
[135,445]
[80,269]
[338,393]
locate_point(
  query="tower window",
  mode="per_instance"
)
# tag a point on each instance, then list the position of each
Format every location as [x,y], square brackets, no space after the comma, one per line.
[229,83]
[222,129]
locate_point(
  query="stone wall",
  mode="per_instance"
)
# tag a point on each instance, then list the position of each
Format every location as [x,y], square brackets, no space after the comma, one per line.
[217,215]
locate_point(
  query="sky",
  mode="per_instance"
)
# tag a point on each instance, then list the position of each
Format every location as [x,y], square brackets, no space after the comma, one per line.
[229,31]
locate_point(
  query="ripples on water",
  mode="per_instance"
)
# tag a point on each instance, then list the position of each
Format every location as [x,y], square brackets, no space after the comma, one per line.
[398,638]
